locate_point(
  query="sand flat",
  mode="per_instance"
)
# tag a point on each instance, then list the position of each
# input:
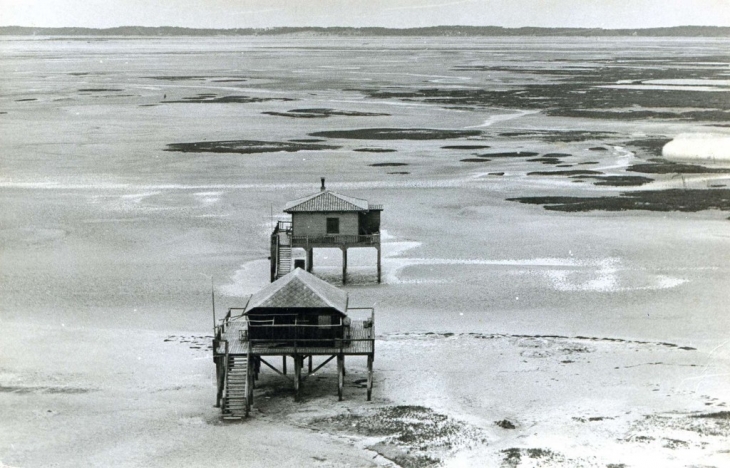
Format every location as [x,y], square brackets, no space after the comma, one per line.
[601,336]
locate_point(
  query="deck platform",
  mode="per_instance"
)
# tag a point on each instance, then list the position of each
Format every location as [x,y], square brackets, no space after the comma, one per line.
[360,343]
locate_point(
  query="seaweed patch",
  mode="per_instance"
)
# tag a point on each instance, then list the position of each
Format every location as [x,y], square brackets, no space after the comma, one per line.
[245,147]
[648,200]
[323,112]
[396,134]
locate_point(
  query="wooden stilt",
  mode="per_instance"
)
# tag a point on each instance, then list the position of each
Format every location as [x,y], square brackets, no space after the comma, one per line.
[340,375]
[297,375]
[283,365]
[219,381]
[379,269]
[370,376]
[344,265]
[310,259]
[251,384]
[310,364]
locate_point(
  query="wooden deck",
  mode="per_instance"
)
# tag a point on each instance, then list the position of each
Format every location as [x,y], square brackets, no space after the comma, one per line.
[361,342]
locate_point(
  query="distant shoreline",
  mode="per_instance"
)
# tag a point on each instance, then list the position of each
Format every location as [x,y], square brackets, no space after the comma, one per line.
[434,31]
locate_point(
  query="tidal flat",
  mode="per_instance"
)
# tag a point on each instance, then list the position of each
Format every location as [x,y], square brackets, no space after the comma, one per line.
[524,319]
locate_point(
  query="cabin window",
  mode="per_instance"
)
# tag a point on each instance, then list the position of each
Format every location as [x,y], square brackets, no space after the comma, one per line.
[333,225]
[325,320]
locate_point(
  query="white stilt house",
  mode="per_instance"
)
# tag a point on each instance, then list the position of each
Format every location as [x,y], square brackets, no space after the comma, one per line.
[325,219]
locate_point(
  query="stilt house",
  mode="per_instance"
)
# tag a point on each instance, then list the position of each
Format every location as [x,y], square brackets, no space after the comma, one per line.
[324,219]
[298,316]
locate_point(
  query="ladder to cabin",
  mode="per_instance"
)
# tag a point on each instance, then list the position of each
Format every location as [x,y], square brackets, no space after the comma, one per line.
[238,381]
[284,249]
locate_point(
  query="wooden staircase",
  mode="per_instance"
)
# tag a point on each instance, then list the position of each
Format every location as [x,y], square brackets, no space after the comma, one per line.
[236,400]
[284,266]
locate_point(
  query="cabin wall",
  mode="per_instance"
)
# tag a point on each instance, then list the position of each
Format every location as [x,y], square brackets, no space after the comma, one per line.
[315,224]
[285,330]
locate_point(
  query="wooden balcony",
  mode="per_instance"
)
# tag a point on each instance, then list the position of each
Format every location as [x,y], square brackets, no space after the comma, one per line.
[336,240]
[357,338]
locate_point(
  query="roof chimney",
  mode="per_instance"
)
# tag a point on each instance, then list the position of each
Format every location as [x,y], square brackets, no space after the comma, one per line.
[322,188]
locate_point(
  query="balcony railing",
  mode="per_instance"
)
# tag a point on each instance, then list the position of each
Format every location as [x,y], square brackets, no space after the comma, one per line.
[335,239]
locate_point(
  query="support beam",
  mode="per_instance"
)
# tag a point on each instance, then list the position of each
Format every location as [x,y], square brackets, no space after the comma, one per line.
[250,374]
[297,376]
[310,259]
[320,366]
[283,365]
[263,361]
[310,363]
[379,269]
[219,381]
[371,358]
[340,375]
[344,265]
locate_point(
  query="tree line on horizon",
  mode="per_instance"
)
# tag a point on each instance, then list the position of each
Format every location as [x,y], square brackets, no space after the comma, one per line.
[679,31]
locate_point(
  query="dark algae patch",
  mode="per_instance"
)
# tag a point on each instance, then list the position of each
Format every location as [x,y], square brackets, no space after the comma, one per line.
[411,436]
[546,160]
[374,150]
[99,90]
[621,181]
[574,172]
[560,136]
[245,147]
[586,91]
[509,154]
[396,134]
[322,113]
[465,147]
[660,166]
[215,99]
[650,200]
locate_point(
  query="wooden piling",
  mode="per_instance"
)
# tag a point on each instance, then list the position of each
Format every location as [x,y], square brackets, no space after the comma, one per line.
[310,363]
[283,365]
[297,375]
[340,375]
[379,269]
[344,265]
[310,259]
[371,358]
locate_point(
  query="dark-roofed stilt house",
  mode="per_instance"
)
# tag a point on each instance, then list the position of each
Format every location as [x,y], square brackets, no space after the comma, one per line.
[325,219]
[298,316]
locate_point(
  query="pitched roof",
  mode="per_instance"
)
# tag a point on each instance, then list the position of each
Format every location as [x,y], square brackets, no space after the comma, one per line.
[299,289]
[326,200]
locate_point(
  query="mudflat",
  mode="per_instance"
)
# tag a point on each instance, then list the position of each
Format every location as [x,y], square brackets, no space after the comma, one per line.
[529,315]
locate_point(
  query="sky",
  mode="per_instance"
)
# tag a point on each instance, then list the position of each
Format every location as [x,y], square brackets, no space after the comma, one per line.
[357,13]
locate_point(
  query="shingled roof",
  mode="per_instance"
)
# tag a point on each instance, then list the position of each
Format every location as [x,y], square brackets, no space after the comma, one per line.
[326,200]
[299,289]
